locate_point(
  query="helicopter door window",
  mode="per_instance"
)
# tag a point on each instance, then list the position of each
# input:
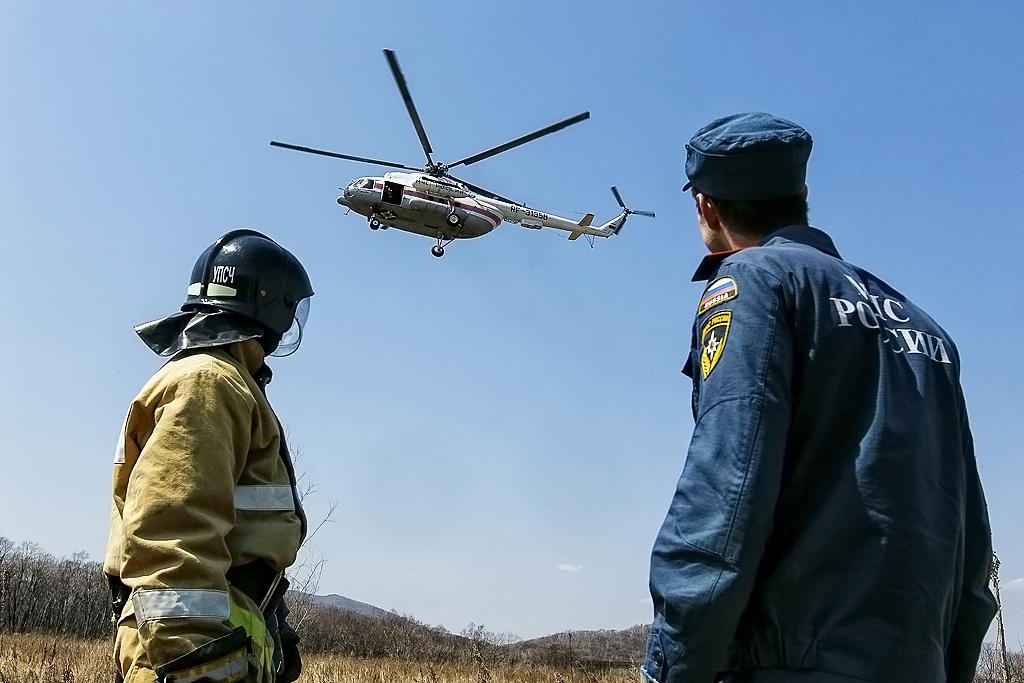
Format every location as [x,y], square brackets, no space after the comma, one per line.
[392,193]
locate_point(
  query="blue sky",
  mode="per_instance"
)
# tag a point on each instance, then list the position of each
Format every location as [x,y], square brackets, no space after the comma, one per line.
[502,428]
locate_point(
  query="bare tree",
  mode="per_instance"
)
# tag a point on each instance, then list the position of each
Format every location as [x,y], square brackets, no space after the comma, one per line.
[1004,661]
[42,593]
[304,578]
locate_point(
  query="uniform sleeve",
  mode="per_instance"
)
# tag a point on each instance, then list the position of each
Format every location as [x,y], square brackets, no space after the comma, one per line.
[179,508]
[706,555]
[977,605]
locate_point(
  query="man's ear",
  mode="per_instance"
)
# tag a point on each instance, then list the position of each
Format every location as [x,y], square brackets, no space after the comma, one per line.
[707,210]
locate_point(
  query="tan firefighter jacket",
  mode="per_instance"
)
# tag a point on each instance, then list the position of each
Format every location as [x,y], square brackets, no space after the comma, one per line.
[202,483]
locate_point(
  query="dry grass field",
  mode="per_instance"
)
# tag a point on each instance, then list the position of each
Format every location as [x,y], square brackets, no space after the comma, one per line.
[329,669]
[46,659]
[49,659]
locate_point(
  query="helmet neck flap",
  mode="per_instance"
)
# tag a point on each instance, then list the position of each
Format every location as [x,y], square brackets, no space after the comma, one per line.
[196,330]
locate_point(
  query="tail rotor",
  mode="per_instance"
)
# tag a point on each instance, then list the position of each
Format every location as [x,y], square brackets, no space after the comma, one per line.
[626,211]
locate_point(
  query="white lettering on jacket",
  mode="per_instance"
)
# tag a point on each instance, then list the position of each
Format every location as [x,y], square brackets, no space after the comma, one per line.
[889,303]
[843,308]
[864,312]
[873,315]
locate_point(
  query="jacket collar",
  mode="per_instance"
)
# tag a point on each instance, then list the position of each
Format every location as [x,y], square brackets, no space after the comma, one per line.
[249,353]
[801,234]
[709,264]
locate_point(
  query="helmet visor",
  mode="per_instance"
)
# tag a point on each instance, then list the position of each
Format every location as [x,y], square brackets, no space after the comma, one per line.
[291,339]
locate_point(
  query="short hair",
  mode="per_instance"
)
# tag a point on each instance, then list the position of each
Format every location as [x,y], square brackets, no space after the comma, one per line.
[756,217]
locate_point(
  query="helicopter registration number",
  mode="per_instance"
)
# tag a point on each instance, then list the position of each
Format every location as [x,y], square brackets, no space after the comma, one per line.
[529,213]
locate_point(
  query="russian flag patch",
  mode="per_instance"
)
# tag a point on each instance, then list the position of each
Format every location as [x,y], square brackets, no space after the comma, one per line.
[718,292]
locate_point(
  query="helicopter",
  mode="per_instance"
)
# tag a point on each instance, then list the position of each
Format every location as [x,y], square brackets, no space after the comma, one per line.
[431,201]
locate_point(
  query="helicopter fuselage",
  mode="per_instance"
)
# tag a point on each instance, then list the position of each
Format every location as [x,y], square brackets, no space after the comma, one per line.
[447,210]
[420,204]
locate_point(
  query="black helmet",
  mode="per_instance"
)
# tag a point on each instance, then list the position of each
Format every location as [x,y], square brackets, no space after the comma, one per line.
[247,273]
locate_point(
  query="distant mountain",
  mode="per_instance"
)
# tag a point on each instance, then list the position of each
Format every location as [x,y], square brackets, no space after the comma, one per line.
[625,647]
[357,635]
[349,605]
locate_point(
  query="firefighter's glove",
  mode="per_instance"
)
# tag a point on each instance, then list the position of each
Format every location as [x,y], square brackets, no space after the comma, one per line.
[292,665]
[224,660]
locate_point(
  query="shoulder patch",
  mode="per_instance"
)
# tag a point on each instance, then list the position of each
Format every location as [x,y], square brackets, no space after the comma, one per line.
[712,341]
[718,292]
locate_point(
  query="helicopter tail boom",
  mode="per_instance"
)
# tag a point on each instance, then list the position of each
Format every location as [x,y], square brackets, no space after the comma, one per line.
[585,223]
[612,227]
[535,219]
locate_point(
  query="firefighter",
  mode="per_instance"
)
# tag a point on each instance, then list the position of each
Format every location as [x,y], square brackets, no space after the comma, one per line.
[206,517]
[829,525]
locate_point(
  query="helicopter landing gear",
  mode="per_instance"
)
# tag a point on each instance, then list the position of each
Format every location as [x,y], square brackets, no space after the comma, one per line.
[438,249]
[374,224]
[453,219]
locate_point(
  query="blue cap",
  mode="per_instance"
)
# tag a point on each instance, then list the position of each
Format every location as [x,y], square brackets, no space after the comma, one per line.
[748,156]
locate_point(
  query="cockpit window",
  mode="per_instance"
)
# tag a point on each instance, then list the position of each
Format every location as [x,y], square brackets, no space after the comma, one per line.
[367,184]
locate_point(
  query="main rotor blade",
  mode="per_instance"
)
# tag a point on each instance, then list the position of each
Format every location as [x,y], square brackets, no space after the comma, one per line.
[403,88]
[336,155]
[553,128]
[615,191]
[485,192]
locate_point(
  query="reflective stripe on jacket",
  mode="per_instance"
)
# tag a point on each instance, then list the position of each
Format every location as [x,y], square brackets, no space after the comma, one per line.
[202,483]
[829,516]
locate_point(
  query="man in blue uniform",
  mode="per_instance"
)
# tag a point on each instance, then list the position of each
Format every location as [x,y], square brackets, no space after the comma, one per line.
[829,525]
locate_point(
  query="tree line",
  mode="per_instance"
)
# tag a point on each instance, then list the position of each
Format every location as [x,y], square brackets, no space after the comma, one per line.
[45,594]
[332,630]
[42,593]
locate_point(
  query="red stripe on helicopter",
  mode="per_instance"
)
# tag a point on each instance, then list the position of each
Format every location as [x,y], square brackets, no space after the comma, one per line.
[492,217]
